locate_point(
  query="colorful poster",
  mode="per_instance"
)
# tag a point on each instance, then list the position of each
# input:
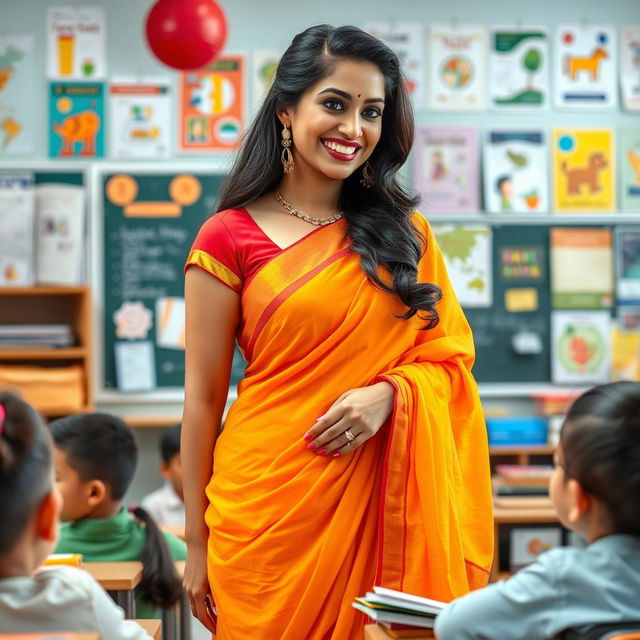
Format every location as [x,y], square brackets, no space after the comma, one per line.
[140,118]
[630,68]
[516,172]
[583,170]
[628,265]
[581,347]
[585,63]
[76,119]
[581,268]
[625,353]
[457,68]
[519,69]
[264,65]
[467,253]
[212,106]
[406,39]
[629,174]
[17,81]
[446,168]
[76,43]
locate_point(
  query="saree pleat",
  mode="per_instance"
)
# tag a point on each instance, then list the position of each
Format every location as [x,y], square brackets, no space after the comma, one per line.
[296,536]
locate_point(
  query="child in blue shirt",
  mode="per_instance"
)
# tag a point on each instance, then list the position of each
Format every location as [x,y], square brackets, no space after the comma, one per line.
[595,490]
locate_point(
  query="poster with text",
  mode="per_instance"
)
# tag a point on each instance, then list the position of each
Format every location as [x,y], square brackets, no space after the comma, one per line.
[140,118]
[583,170]
[630,68]
[76,43]
[628,265]
[264,64]
[519,69]
[76,120]
[457,68]
[17,82]
[516,172]
[446,168]
[407,41]
[585,64]
[629,174]
[212,106]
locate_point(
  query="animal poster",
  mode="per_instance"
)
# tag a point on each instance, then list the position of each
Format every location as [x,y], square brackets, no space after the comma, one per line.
[212,106]
[585,64]
[140,118]
[76,120]
[630,68]
[457,68]
[581,347]
[628,265]
[516,172]
[629,174]
[519,69]
[446,168]
[583,170]
[264,64]
[17,81]
[76,43]
[406,39]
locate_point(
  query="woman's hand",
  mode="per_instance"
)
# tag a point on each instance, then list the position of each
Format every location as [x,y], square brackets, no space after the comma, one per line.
[352,419]
[196,585]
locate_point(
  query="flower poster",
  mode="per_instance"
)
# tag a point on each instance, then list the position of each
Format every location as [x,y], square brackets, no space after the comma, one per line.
[515,172]
[76,43]
[446,168]
[585,64]
[457,68]
[581,347]
[212,106]
[630,68]
[519,69]
[583,170]
[629,174]
[17,79]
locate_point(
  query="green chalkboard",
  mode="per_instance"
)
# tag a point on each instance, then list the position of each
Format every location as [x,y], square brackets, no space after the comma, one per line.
[150,222]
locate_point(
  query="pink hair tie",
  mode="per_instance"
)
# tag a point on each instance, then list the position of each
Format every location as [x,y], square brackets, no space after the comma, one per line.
[3,415]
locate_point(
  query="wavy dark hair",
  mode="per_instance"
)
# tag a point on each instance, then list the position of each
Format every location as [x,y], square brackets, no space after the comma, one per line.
[378,219]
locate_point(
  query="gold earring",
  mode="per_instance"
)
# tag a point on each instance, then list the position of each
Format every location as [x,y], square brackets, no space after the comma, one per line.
[367,180]
[286,157]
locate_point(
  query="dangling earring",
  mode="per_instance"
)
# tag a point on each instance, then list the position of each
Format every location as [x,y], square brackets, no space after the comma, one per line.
[367,180]
[286,157]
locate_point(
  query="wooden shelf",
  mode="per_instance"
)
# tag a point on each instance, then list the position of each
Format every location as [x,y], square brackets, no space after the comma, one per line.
[529,450]
[72,353]
[50,412]
[151,422]
[44,290]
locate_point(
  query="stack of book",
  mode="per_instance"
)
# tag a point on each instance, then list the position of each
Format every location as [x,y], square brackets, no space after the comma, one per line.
[522,481]
[398,614]
[35,336]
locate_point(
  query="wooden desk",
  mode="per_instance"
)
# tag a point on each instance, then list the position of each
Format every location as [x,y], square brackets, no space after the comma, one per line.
[120,579]
[152,627]
[374,632]
[176,530]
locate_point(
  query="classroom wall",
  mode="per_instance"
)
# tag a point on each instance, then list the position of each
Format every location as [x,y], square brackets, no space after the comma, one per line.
[270,24]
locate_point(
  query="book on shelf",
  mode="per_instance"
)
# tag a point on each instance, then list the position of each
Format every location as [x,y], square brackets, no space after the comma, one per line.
[502,489]
[522,502]
[35,336]
[524,475]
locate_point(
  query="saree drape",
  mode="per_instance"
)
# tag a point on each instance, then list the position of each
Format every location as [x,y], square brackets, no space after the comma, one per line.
[294,536]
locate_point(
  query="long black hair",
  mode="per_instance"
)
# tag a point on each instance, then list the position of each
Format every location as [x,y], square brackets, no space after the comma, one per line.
[378,219]
[600,441]
[100,446]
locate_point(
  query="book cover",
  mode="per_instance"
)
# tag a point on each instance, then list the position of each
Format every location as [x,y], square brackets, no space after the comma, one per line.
[519,69]
[583,170]
[581,268]
[628,265]
[630,67]
[446,168]
[516,172]
[628,142]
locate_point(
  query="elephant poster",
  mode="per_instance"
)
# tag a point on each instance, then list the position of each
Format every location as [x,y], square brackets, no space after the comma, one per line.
[76,120]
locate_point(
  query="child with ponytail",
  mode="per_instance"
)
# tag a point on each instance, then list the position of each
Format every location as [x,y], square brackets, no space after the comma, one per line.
[95,459]
[52,599]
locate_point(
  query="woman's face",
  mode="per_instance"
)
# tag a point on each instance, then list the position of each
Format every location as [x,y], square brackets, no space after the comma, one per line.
[337,123]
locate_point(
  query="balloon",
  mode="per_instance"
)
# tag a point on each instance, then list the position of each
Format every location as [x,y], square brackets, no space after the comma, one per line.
[186,34]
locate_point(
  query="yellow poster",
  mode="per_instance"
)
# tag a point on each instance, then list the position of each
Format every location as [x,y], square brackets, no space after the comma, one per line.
[583,170]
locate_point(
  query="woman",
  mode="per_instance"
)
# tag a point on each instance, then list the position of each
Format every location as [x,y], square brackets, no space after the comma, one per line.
[356,450]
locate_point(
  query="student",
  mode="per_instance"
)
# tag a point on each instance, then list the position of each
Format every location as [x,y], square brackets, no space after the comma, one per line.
[166,505]
[595,490]
[95,459]
[33,600]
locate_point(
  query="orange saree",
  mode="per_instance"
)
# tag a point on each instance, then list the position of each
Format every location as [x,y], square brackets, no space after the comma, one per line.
[294,536]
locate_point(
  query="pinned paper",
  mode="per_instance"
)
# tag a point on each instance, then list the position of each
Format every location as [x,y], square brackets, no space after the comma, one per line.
[133,321]
[170,323]
[135,366]
[520,300]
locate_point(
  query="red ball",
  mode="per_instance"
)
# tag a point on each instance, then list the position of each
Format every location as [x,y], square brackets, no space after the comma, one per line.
[186,34]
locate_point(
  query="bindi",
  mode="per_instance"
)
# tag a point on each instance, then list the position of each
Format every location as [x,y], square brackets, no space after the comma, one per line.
[359,95]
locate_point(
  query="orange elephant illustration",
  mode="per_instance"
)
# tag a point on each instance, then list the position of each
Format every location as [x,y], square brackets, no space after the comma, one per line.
[80,127]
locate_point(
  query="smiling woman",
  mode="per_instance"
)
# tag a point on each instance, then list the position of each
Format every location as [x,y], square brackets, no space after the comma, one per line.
[356,451]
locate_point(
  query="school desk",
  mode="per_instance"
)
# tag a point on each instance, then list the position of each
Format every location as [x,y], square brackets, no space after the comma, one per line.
[151,626]
[120,579]
[178,619]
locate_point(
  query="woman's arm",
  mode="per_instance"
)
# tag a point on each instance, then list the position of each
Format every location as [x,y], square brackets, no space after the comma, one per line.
[212,315]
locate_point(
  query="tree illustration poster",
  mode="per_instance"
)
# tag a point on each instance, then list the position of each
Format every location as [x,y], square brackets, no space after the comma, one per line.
[17,79]
[76,119]
[519,69]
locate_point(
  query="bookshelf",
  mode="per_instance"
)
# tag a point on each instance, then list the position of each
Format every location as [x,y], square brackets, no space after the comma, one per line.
[56,305]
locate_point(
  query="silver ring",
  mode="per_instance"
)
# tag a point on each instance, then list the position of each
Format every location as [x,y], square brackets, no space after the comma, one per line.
[349,436]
